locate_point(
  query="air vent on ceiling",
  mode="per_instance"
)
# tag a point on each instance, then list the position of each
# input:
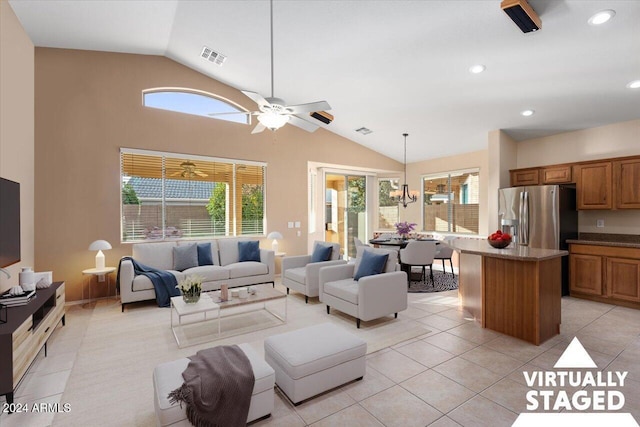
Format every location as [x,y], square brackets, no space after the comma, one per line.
[323,116]
[212,56]
[363,130]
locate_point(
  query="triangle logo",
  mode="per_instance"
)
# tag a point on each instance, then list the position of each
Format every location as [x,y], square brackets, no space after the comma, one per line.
[575,356]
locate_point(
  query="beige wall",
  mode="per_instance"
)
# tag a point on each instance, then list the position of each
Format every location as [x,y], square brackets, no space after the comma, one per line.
[415,171]
[502,155]
[16,128]
[88,105]
[616,140]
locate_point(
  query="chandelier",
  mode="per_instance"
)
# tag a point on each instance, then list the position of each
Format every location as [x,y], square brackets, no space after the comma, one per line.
[403,195]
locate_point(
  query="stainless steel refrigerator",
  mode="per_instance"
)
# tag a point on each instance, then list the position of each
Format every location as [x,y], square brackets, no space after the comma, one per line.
[542,216]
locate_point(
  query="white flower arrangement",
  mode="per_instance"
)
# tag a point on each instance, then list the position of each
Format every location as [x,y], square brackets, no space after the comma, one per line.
[190,284]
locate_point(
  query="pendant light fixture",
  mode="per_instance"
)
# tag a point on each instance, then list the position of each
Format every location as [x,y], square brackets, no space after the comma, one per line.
[403,195]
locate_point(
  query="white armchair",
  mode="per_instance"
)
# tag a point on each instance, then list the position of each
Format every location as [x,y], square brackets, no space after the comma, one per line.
[369,298]
[302,275]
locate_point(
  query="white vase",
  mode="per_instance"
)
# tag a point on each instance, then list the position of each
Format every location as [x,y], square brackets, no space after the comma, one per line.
[26,276]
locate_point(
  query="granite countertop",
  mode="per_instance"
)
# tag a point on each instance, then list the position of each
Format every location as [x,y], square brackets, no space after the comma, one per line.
[521,253]
[607,239]
[603,243]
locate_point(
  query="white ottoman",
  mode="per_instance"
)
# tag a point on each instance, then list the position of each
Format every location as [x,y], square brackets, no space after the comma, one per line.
[168,376]
[312,360]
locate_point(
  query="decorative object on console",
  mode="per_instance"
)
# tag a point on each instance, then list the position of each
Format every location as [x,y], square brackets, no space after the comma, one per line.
[13,297]
[43,279]
[224,292]
[403,195]
[16,291]
[191,287]
[275,235]
[26,278]
[100,245]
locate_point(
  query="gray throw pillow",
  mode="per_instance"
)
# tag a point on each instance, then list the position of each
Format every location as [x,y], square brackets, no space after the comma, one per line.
[185,256]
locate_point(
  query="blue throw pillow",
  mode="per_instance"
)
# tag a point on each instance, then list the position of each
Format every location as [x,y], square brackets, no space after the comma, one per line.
[371,264]
[321,253]
[249,251]
[204,254]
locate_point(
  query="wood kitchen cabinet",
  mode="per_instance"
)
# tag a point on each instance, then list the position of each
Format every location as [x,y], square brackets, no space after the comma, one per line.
[585,274]
[594,186]
[623,278]
[520,177]
[627,183]
[560,174]
[605,273]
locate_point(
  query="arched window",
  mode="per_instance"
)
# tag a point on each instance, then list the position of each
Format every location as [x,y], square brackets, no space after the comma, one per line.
[189,101]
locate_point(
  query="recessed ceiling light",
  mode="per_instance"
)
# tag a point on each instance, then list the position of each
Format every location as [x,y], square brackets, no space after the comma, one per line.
[634,84]
[601,17]
[527,113]
[476,69]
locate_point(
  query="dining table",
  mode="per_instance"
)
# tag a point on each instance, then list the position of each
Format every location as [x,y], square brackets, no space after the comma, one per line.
[400,243]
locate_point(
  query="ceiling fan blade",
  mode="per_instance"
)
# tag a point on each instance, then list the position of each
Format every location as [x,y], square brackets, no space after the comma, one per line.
[176,173]
[256,97]
[302,124]
[308,108]
[230,113]
[259,128]
[201,174]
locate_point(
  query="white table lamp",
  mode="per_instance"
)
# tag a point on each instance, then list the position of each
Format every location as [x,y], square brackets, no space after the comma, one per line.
[100,245]
[275,236]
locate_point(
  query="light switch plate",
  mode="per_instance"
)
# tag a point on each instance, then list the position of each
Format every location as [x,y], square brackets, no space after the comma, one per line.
[297,224]
[600,223]
[290,224]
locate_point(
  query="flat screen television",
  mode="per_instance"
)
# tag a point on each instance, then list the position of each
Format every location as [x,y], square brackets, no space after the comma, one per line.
[9,222]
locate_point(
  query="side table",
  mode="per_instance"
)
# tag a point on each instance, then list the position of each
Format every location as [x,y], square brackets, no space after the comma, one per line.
[279,255]
[100,273]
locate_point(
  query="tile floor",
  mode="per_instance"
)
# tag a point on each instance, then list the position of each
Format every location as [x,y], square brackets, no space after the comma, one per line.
[458,374]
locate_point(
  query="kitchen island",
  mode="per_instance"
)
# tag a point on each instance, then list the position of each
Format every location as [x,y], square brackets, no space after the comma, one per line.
[515,291]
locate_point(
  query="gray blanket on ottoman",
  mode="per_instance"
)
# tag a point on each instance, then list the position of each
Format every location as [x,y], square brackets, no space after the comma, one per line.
[217,388]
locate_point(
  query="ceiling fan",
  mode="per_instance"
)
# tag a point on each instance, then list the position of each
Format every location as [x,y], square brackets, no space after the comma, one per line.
[189,170]
[273,113]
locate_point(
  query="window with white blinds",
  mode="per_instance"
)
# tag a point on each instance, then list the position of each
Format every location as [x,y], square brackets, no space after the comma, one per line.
[174,196]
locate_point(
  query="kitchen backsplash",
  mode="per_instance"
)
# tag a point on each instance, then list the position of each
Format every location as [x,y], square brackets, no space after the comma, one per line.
[615,221]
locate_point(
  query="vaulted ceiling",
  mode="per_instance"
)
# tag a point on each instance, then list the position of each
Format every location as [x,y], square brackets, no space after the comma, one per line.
[391,66]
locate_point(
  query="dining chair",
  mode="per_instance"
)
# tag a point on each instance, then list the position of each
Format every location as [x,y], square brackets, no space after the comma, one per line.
[358,242]
[418,254]
[445,252]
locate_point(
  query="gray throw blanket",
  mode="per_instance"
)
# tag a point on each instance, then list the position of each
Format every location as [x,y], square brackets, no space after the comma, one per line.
[217,388]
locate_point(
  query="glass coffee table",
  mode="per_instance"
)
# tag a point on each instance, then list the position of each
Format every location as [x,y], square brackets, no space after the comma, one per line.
[233,317]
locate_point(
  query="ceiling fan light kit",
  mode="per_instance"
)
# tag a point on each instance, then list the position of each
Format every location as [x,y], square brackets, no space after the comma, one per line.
[522,14]
[273,121]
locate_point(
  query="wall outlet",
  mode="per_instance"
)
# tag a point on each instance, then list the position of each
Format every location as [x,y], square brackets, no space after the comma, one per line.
[600,223]
[298,233]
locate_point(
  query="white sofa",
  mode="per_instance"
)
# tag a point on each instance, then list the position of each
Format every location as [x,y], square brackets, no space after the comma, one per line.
[226,269]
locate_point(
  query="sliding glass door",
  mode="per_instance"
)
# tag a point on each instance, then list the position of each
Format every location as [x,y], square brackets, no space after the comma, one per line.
[345,214]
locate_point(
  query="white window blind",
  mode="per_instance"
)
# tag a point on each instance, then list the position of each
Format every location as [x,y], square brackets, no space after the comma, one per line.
[172,196]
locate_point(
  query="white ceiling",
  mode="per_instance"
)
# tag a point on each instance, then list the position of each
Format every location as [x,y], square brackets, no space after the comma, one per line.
[392,66]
